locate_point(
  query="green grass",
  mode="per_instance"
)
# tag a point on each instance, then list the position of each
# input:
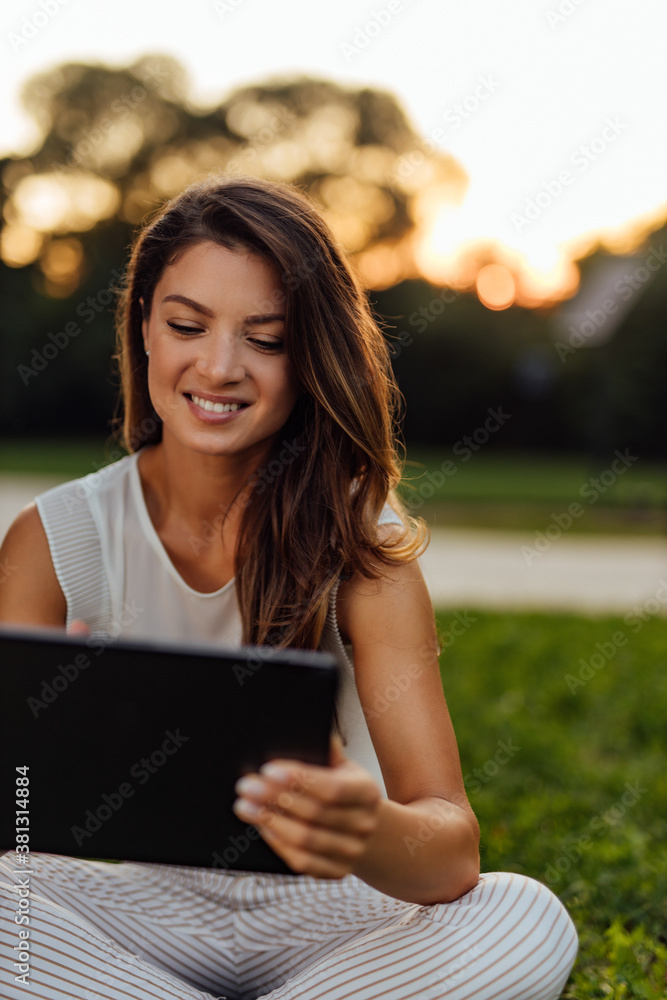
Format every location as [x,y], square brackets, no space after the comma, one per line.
[508,490]
[555,808]
[522,491]
[55,456]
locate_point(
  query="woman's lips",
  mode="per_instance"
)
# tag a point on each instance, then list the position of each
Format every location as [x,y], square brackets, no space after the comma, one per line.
[214,411]
[223,404]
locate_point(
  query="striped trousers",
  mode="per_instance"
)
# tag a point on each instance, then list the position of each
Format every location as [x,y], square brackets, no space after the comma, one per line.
[140,931]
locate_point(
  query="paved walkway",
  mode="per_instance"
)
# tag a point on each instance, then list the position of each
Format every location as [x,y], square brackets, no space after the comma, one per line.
[503,569]
[586,573]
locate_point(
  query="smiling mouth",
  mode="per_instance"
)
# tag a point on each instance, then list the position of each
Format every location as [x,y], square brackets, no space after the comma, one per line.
[211,407]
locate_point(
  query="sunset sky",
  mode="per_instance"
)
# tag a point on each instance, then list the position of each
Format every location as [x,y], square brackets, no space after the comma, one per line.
[553,107]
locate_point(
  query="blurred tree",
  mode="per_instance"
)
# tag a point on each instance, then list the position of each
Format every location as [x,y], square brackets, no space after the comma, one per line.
[455,359]
[117,142]
[612,388]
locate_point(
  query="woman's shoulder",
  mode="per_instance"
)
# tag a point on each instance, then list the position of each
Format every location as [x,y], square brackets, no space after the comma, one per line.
[381,596]
[31,593]
[74,492]
[56,535]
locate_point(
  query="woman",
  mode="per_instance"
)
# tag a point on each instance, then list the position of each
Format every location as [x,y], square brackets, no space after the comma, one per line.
[256,505]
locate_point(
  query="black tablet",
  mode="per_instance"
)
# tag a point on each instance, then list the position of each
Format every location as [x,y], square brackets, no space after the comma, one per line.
[130,750]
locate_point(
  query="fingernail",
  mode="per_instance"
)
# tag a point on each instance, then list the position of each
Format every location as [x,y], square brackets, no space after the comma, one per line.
[246,808]
[275,772]
[250,786]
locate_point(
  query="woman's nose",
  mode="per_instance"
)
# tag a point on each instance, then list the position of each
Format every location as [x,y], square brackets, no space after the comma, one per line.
[220,360]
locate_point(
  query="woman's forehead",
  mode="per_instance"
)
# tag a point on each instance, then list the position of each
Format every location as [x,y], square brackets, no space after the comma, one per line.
[214,270]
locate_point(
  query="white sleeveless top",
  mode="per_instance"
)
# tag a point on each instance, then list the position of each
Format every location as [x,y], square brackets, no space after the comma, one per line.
[117,578]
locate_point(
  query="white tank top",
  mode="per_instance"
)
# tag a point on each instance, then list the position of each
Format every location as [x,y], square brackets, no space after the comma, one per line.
[118,578]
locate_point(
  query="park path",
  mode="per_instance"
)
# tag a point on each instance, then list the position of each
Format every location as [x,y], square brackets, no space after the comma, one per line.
[470,568]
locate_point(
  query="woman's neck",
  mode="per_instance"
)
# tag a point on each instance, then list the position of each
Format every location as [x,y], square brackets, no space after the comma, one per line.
[184,486]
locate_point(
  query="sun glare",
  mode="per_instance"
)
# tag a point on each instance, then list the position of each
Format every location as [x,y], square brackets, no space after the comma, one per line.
[495,286]
[456,248]
[50,203]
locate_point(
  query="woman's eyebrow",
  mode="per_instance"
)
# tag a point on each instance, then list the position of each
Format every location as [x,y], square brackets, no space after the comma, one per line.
[255,319]
[265,318]
[184,300]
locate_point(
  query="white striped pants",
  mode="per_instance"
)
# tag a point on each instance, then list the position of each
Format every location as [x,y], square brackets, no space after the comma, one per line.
[138,931]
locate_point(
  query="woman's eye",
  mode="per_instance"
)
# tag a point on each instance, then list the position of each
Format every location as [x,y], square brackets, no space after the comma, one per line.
[185,329]
[267,345]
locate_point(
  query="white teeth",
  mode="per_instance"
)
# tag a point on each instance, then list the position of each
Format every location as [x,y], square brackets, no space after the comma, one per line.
[207,404]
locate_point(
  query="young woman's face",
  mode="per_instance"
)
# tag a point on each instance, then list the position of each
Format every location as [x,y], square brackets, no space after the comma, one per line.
[218,375]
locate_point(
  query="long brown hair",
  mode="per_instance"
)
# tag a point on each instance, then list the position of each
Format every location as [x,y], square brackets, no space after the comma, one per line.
[310,516]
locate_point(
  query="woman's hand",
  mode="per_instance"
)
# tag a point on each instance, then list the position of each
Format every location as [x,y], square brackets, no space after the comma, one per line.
[78,628]
[317,819]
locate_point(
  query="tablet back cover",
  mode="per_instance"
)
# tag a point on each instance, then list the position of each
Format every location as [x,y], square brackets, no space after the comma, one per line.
[133,750]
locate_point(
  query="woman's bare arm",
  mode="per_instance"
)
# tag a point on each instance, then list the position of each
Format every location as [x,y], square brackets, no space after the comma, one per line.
[30,593]
[421,844]
[425,847]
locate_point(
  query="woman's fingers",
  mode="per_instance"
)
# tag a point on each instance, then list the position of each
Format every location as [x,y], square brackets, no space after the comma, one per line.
[318,819]
[303,863]
[344,798]
[359,822]
[345,784]
[78,628]
[309,838]
[306,848]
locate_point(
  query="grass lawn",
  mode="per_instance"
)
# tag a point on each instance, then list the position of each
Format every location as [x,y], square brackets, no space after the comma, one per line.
[510,490]
[562,745]
[522,491]
[56,456]
[561,720]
